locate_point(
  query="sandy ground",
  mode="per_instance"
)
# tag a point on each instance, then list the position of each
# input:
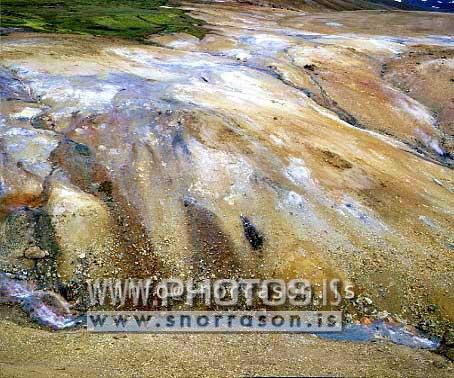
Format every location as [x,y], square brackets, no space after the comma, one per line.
[31,352]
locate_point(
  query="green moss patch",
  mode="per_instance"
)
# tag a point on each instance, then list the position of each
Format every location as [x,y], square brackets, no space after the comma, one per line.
[133,19]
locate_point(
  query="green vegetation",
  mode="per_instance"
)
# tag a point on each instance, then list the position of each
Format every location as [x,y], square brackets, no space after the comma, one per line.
[121,18]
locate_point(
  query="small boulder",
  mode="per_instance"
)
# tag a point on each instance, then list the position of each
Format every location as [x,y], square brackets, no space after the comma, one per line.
[35,253]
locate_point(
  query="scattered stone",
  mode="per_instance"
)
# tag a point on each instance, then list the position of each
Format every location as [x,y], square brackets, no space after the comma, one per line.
[427,221]
[35,253]
[16,235]
[432,307]
[383,315]
[436,181]
[118,337]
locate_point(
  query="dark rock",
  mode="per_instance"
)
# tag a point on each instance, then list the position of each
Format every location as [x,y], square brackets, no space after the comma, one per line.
[446,347]
[254,236]
[9,30]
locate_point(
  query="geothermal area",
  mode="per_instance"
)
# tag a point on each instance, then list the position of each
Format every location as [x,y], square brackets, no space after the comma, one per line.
[267,140]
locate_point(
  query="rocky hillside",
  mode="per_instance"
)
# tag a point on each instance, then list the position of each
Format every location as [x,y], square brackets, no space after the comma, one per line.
[350,5]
